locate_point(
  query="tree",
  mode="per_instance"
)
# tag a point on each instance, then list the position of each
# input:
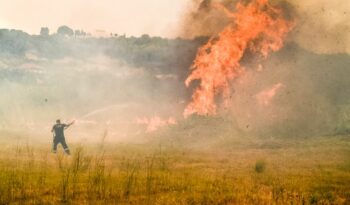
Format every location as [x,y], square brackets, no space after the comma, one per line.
[44,31]
[65,30]
[79,33]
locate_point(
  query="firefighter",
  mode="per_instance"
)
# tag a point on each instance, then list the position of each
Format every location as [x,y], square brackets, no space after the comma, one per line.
[58,132]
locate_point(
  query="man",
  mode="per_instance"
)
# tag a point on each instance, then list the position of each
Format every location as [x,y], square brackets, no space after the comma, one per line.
[58,132]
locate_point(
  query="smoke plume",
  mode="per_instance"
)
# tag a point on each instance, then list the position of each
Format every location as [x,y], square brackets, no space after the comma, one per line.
[322,26]
[301,89]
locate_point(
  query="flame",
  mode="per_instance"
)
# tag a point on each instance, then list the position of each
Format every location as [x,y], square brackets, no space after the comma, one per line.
[155,123]
[265,96]
[258,27]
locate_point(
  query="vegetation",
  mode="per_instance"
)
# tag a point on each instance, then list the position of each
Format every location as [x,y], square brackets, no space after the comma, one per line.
[201,160]
[307,171]
[145,51]
[260,166]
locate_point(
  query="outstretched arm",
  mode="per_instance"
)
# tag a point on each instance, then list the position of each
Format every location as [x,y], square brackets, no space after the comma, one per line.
[68,125]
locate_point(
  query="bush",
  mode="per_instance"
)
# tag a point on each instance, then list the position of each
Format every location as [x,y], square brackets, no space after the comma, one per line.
[260,166]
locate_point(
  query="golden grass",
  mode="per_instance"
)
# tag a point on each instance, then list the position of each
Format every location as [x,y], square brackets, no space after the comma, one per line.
[308,171]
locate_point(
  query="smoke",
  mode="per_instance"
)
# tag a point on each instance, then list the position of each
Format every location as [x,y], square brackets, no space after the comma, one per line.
[107,84]
[258,27]
[103,88]
[300,90]
[291,94]
[202,20]
[322,26]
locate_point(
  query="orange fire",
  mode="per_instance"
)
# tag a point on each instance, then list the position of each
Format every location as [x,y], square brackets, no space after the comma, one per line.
[154,123]
[265,96]
[258,27]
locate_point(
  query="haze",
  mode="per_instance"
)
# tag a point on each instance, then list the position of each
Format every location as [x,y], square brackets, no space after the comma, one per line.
[132,17]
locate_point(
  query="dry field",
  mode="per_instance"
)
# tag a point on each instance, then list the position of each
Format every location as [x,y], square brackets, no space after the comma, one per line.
[248,171]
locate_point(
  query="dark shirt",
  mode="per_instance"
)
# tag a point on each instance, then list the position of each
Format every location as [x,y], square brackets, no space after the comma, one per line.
[59,129]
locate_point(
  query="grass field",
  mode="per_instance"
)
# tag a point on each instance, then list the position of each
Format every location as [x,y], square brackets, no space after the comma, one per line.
[248,171]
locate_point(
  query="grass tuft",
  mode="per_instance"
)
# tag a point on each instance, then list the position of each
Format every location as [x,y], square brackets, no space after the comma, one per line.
[260,166]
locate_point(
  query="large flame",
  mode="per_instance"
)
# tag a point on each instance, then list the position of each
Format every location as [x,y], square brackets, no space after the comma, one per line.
[258,27]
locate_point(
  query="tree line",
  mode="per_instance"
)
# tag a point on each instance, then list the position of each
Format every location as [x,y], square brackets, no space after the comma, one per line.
[145,51]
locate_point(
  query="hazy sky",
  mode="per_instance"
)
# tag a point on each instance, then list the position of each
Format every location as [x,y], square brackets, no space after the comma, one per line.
[132,17]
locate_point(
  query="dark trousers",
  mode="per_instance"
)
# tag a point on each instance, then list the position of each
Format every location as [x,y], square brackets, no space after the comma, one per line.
[60,140]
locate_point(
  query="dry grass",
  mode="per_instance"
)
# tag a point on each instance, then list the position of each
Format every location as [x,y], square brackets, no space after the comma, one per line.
[313,171]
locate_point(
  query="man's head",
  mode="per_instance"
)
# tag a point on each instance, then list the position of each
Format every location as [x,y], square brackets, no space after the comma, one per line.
[58,121]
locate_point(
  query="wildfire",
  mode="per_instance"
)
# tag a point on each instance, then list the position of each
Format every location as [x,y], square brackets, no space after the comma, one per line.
[155,123]
[265,96]
[258,27]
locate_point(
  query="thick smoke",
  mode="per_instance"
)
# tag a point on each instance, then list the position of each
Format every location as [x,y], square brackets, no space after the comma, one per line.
[322,26]
[202,20]
[310,93]
[109,84]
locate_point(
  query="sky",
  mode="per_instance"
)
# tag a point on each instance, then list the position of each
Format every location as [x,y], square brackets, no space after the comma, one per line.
[323,25]
[130,17]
